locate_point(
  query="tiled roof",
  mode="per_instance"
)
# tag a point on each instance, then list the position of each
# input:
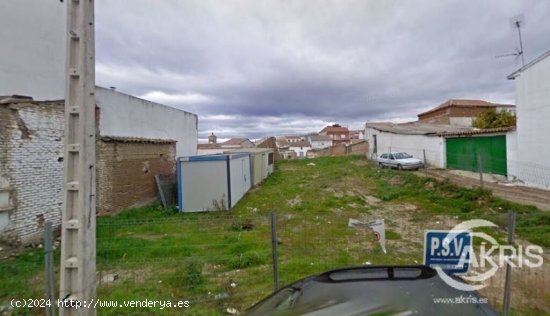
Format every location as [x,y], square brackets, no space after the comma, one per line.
[335,129]
[479,131]
[282,142]
[416,128]
[122,139]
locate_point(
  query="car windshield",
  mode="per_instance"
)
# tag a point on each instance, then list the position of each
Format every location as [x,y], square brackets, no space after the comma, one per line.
[401,156]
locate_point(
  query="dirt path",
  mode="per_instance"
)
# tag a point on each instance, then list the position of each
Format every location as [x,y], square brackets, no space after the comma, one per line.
[519,194]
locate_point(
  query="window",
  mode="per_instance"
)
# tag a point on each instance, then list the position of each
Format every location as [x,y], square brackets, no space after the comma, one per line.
[270,159]
[384,156]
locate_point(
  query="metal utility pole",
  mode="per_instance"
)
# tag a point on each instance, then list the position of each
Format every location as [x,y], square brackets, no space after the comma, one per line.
[78,244]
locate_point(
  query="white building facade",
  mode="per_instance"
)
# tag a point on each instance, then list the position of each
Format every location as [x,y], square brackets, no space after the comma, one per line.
[319,141]
[124,115]
[531,163]
[382,140]
[300,148]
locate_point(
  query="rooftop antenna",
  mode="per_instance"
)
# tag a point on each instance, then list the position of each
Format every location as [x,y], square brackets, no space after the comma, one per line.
[517,22]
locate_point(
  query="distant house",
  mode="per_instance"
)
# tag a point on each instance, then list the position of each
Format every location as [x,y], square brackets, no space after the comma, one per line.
[283,147]
[238,143]
[460,112]
[213,147]
[338,134]
[293,139]
[270,142]
[319,141]
[357,134]
[529,161]
[300,148]
[444,146]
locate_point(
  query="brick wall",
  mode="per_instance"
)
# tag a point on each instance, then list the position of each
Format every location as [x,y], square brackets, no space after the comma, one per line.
[437,117]
[443,116]
[468,112]
[31,168]
[359,148]
[126,171]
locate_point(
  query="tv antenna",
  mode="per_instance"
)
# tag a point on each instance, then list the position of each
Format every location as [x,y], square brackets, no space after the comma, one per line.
[516,22]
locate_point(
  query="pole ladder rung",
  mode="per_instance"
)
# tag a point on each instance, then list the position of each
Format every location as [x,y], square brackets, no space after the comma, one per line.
[71,262]
[74,72]
[73,148]
[72,224]
[72,186]
[74,110]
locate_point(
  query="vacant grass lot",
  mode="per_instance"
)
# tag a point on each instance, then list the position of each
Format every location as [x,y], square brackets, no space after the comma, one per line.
[223,260]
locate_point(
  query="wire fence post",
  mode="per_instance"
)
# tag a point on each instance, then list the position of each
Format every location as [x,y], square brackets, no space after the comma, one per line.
[48,265]
[273,218]
[425,165]
[480,168]
[508,280]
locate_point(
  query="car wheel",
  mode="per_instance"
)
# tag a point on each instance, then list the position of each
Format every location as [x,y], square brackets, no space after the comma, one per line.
[381,165]
[399,167]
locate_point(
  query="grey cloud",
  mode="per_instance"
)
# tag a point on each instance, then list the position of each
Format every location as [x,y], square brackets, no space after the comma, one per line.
[278,66]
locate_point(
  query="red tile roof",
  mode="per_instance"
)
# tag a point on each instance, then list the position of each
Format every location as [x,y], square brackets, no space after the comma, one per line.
[335,129]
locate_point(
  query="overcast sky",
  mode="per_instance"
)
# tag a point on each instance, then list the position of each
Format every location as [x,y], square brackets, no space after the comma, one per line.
[258,68]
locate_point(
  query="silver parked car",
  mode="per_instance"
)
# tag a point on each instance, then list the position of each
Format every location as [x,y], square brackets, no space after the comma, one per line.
[399,160]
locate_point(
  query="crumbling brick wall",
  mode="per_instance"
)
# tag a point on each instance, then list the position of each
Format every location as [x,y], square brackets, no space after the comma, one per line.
[126,169]
[31,168]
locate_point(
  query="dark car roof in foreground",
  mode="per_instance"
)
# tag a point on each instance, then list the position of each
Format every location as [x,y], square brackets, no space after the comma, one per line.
[371,290]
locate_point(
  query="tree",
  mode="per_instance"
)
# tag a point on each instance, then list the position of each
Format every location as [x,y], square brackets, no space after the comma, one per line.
[493,119]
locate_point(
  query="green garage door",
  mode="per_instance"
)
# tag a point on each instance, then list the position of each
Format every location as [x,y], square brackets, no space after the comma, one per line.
[462,153]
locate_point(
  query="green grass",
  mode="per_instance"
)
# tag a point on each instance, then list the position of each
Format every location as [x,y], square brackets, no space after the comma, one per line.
[162,254]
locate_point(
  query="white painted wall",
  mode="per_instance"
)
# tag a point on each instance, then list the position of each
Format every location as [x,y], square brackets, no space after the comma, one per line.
[533,124]
[301,152]
[32,53]
[320,144]
[412,144]
[125,115]
[512,154]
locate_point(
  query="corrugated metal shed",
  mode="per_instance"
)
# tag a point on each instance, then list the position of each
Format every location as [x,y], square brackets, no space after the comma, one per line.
[212,182]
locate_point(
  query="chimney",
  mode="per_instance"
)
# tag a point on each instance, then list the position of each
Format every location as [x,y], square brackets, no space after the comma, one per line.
[212,139]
